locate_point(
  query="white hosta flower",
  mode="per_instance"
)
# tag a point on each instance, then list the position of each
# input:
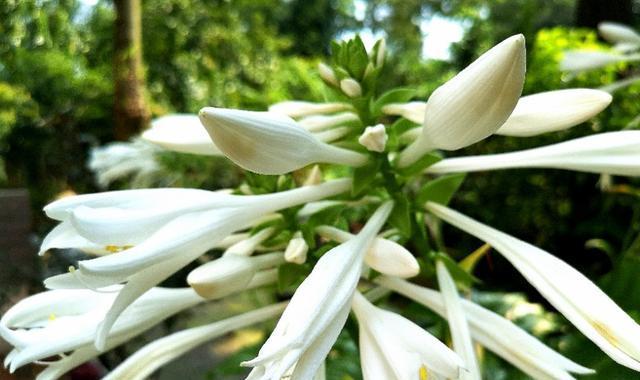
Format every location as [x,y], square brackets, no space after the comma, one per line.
[248,246]
[119,160]
[59,321]
[574,295]
[318,309]
[412,111]
[319,123]
[616,153]
[351,87]
[270,143]
[553,111]
[182,133]
[384,255]
[374,138]
[498,334]
[583,60]
[458,325]
[296,108]
[615,86]
[229,274]
[618,33]
[474,104]
[160,352]
[297,249]
[168,228]
[327,74]
[332,135]
[394,348]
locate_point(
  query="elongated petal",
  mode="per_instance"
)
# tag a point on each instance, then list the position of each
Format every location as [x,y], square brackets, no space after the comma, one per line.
[616,33]
[553,111]
[474,104]
[616,153]
[512,343]
[270,143]
[162,351]
[412,111]
[65,236]
[182,133]
[320,123]
[574,295]
[578,60]
[458,324]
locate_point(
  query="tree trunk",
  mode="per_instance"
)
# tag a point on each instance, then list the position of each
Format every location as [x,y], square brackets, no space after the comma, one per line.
[591,12]
[130,109]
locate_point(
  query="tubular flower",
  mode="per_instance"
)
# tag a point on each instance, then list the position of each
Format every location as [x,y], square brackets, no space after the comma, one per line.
[394,348]
[182,133]
[574,295]
[616,153]
[318,309]
[512,343]
[270,143]
[474,104]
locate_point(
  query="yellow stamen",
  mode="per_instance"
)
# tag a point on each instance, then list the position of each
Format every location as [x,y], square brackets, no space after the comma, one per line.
[52,317]
[605,332]
[117,248]
[423,374]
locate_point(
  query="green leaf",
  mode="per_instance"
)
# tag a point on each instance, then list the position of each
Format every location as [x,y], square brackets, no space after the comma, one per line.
[364,176]
[396,129]
[420,165]
[290,276]
[400,217]
[358,58]
[398,95]
[441,189]
[460,276]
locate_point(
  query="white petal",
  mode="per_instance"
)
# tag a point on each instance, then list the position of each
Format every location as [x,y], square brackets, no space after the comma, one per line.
[616,153]
[412,111]
[300,108]
[270,143]
[181,133]
[65,236]
[474,104]
[577,61]
[553,111]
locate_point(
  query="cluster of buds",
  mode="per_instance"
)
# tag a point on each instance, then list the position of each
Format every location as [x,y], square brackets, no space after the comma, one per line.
[367,156]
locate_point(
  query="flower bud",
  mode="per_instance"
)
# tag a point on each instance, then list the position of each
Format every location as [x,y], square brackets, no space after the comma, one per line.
[297,249]
[553,111]
[327,74]
[474,104]
[618,33]
[221,277]
[319,123]
[270,143]
[296,108]
[351,87]
[382,47]
[577,61]
[374,138]
[412,111]
[181,133]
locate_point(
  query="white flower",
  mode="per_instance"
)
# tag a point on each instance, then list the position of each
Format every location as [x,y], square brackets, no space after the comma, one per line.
[574,295]
[297,249]
[616,153]
[59,321]
[374,138]
[181,133]
[327,74]
[114,161]
[318,123]
[295,108]
[412,111]
[553,111]
[618,33]
[579,60]
[474,104]
[318,310]
[394,348]
[270,143]
[351,87]
[162,351]
[230,274]
[498,334]
[168,229]
[384,255]
[458,325]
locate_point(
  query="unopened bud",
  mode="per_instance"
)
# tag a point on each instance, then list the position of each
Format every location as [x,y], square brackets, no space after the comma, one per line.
[297,249]
[327,74]
[351,87]
[374,138]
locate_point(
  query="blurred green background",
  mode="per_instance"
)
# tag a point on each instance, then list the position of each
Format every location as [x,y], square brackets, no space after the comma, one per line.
[59,68]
